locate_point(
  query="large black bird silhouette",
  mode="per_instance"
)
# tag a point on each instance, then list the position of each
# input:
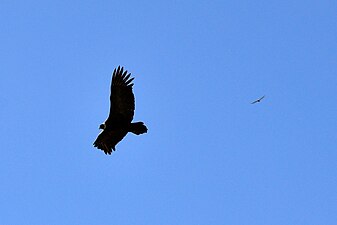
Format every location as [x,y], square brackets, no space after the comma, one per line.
[258,100]
[122,106]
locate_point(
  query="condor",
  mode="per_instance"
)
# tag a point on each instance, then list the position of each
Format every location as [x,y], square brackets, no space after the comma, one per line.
[122,107]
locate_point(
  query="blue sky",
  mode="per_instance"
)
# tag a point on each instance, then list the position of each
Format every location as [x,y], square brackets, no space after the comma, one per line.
[210,157]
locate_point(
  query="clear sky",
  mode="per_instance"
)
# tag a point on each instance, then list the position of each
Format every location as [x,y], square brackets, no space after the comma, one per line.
[210,157]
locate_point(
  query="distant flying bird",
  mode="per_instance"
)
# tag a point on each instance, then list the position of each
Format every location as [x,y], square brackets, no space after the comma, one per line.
[122,106]
[258,100]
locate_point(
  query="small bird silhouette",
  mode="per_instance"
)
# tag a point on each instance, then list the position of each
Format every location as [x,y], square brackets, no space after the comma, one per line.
[258,100]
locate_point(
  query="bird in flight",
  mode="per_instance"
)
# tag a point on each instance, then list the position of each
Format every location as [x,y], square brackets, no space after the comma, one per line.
[122,106]
[258,100]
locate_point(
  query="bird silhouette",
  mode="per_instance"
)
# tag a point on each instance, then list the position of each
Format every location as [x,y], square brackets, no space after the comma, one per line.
[122,107]
[258,100]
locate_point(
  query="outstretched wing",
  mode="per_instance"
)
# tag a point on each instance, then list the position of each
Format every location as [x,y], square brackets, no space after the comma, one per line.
[122,100]
[108,139]
[262,97]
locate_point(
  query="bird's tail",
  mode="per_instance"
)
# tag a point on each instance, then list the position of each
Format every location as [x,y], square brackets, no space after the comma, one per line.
[138,128]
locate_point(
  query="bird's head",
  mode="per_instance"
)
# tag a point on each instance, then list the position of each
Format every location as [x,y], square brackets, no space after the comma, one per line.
[102,126]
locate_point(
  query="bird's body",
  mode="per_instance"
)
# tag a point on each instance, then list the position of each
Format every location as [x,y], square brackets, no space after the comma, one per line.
[122,106]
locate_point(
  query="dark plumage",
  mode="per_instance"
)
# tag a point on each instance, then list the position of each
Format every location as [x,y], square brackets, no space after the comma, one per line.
[122,106]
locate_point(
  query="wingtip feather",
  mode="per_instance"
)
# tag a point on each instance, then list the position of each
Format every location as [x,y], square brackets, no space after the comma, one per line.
[121,77]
